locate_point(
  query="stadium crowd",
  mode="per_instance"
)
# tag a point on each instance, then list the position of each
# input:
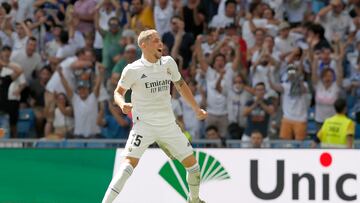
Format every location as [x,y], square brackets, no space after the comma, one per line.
[263,69]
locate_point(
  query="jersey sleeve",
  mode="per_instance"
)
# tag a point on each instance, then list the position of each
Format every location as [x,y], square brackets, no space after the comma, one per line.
[127,78]
[173,70]
[351,129]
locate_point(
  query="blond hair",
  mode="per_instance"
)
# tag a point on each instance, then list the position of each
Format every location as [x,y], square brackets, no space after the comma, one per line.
[145,35]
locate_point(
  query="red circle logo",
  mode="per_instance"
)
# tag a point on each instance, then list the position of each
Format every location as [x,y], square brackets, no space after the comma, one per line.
[325,159]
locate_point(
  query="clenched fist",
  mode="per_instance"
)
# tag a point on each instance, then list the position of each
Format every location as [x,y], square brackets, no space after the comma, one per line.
[126,108]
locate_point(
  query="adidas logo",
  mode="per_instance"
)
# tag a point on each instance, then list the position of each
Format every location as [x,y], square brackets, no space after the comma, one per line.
[175,175]
[143,76]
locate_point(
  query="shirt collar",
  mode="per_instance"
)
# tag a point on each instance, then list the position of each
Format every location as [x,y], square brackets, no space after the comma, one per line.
[148,63]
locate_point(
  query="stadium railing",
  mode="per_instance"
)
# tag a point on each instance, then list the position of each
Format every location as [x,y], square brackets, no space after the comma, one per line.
[120,143]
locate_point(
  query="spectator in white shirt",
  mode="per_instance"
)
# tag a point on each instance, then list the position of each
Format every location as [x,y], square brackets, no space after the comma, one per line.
[163,11]
[221,20]
[85,105]
[336,21]
[286,41]
[28,59]
[20,37]
[294,105]
[216,100]
[327,90]
[254,20]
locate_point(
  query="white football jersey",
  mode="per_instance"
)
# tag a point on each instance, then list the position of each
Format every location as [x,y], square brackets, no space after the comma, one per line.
[150,85]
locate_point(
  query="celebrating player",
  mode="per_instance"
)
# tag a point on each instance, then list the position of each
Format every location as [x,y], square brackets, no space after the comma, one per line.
[149,79]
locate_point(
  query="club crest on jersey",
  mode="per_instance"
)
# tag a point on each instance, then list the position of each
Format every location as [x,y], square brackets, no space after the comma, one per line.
[143,76]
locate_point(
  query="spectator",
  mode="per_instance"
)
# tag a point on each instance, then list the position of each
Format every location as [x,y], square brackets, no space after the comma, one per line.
[259,70]
[178,41]
[194,16]
[85,10]
[85,105]
[114,123]
[25,10]
[5,24]
[316,37]
[253,21]
[112,49]
[216,100]
[163,11]
[295,11]
[66,49]
[212,134]
[258,112]
[221,20]
[256,139]
[37,98]
[337,131]
[142,16]
[273,23]
[14,92]
[259,41]
[294,105]
[209,42]
[54,44]
[327,90]
[267,48]
[105,10]
[28,59]
[286,41]
[8,73]
[191,124]
[237,96]
[336,21]
[63,121]
[20,37]
[38,28]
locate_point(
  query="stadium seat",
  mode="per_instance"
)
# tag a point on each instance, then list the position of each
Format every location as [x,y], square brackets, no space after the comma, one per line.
[4,125]
[26,123]
[357,131]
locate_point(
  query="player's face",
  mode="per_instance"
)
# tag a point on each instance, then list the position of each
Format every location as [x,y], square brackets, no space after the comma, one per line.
[155,46]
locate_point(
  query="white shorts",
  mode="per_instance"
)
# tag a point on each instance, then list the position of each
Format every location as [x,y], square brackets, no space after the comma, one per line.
[169,136]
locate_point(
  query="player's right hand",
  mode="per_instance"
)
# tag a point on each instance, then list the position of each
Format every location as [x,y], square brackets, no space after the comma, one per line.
[126,108]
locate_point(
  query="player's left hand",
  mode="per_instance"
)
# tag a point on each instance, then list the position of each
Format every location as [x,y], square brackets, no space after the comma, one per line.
[201,114]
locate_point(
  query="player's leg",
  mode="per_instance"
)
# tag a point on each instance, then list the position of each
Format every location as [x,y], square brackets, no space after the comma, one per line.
[193,177]
[119,180]
[179,147]
[136,145]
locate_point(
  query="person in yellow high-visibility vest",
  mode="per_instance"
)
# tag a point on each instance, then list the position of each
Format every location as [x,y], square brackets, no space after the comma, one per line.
[337,131]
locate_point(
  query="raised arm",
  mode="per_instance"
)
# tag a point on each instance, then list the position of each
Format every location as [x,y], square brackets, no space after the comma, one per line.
[200,57]
[97,24]
[324,11]
[99,79]
[27,30]
[178,39]
[17,70]
[314,74]
[274,86]
[339,55]
[68,90]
